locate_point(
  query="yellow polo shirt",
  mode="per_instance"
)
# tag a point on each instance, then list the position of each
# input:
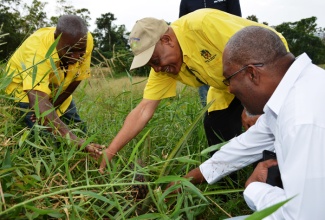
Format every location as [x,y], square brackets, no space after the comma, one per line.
[202,36]
[31,69]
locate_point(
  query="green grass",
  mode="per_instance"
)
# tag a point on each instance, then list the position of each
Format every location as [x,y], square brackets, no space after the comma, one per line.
[43,179]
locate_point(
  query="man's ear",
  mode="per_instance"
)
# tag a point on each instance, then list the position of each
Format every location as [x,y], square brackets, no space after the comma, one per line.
[165,39]
[253,74]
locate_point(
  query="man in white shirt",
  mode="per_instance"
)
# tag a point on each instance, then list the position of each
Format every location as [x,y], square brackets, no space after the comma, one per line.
[289,91]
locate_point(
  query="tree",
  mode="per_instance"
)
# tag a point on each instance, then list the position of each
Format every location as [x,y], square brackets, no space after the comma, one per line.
[105,32]
[111,41]
[301,38]
[36,17]
[252,18]
[12,26]
[63,7]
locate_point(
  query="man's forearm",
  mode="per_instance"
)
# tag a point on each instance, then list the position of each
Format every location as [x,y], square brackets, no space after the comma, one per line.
[132,126]
[60,99]
[51,119]
[65,94]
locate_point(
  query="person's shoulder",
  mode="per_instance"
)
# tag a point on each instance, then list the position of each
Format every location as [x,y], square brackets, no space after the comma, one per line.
[40,35]
[202,19]
[206,13]
[45,30]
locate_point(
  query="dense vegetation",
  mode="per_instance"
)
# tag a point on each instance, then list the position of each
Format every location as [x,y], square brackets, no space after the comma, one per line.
[40,177]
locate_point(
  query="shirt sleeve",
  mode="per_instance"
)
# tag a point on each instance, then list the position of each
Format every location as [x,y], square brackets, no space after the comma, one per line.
[159,86]
[259,196]
[302,153]
[239,152]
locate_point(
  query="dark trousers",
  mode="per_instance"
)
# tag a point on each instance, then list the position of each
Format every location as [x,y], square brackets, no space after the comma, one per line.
[70,117]
[223,125]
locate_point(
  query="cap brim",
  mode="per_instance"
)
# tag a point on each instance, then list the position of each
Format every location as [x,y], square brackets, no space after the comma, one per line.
[142,58]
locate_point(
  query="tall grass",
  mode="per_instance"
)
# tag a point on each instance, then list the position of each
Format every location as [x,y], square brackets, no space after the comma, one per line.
[53,179]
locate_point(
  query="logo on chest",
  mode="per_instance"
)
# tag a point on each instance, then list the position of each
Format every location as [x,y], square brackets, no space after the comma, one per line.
[207,55]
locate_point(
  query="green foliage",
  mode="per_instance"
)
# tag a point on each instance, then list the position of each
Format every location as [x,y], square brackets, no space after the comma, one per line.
[12,26]
[42,177]
[301,38]
[64,7]
[111,44]
[36,17]
[252,18]
[109,37]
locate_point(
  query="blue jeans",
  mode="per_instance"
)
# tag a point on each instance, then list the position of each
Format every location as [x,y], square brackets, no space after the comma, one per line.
[70,117]
[203,91]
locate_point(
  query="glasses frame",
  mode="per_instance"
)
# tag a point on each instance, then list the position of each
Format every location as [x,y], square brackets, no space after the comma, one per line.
[226,81]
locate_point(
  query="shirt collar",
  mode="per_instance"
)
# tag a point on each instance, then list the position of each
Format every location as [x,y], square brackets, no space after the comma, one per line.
[278,97]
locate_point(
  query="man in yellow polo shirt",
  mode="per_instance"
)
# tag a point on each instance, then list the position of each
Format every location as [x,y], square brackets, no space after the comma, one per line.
[47,76]
[189,51]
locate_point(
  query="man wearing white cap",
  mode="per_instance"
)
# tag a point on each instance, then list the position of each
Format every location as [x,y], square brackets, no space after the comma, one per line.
[189,51]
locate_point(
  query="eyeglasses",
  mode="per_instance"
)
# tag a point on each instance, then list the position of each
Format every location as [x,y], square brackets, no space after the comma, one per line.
[226,81]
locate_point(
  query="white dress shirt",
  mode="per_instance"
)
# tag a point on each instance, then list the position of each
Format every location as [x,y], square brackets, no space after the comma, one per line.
[294,126]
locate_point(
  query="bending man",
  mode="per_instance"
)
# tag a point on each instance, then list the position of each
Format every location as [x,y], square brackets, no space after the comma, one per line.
[189,51]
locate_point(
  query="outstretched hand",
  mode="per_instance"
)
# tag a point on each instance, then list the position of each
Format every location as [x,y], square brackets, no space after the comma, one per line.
[95,150]
[178,190]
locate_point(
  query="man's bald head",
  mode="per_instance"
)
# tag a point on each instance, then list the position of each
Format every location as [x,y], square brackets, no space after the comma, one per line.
[254,44]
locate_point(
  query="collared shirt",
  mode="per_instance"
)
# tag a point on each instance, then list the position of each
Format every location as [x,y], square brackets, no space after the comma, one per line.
[202,36]
[32,70]
[294,126]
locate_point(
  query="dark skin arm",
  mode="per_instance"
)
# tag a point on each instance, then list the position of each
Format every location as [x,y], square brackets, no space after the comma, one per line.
[44,104]
[64,95]
[259,174]
[195,177]
[133,125]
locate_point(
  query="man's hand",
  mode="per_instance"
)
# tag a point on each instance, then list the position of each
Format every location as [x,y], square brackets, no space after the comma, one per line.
[95,150]
[248,120]
[195,176]
[103,164]
[261,171]
[178,190]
